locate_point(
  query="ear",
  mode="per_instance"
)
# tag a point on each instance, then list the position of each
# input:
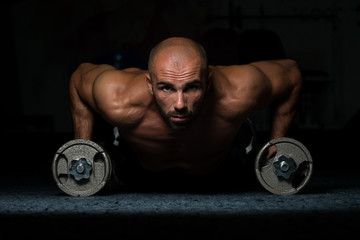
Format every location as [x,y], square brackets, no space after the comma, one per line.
[209,79]
[149,83]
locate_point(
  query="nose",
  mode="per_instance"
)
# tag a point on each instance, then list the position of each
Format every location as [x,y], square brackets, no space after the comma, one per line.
[180,104]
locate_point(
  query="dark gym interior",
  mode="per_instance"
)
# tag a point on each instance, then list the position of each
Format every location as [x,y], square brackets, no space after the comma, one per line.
[44,41]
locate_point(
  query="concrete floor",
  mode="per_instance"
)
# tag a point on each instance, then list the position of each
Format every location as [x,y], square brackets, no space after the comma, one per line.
[32,205]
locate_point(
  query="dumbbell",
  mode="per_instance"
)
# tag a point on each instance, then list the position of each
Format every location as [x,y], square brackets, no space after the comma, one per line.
[81,167]
[288,171]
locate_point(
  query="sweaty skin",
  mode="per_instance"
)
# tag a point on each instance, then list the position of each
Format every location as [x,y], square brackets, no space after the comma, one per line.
[183,115]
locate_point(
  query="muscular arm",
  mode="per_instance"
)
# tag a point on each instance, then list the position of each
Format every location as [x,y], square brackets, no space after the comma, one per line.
[82,104]
[261,84]
[285,81]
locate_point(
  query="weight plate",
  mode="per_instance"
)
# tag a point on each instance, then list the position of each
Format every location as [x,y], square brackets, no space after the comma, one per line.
[288,171]
[81,167]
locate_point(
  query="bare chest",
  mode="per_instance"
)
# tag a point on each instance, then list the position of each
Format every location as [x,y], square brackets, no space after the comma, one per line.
[199,149]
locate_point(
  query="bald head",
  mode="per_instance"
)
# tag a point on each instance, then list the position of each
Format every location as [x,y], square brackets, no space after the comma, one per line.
[178,80]
[177,51]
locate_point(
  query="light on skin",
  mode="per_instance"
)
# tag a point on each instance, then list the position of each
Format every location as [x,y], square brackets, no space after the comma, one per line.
[178,89]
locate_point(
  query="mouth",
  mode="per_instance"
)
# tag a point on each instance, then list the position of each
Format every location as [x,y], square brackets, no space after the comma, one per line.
[179,118]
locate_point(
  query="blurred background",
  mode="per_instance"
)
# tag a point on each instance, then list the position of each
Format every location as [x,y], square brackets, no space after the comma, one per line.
[44,41]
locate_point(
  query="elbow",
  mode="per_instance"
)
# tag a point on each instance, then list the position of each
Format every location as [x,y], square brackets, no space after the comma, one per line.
[295,75]
[76,75]
[81,69]
[79,73]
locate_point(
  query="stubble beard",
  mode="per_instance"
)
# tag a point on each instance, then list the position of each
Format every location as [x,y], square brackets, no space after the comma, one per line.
[177,126]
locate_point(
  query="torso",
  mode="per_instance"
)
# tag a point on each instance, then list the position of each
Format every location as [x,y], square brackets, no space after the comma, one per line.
[197,150]
[200,149]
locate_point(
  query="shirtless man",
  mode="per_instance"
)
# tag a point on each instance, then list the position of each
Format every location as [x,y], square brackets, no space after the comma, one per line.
[182,115]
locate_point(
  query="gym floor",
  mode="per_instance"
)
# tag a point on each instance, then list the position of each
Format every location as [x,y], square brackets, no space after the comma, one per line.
[32,205]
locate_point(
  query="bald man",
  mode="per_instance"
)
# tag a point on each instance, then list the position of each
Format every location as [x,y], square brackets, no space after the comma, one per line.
[181,115]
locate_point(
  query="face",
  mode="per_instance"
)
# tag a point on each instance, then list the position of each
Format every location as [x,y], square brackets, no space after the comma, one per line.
[178,92]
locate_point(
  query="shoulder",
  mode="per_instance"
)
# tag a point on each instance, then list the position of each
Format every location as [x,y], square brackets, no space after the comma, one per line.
[242,89]
[245,85]
[121,95]
[283,75]
[263,80]
[261,70]
[118,81]
[243,75]
[277,68]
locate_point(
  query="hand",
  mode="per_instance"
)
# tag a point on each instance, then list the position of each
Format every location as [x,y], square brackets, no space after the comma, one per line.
[271,152]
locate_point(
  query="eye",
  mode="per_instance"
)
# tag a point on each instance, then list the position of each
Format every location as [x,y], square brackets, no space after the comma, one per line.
[193,87]
[165,88]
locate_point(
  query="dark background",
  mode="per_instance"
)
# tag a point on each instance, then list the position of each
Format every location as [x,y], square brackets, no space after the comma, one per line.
[44,41]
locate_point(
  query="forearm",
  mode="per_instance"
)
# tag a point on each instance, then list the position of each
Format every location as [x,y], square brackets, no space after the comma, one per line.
[83,123]
[281,122]
[82,115]
[82,104]
[283,109]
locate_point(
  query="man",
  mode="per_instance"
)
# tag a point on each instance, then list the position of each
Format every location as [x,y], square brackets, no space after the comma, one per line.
[182,116]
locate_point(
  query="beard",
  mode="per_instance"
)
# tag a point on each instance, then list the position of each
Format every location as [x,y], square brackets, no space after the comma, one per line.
[178,126]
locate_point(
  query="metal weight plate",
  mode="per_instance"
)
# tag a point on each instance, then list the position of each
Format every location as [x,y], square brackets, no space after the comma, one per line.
[288,171]
[81,167]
